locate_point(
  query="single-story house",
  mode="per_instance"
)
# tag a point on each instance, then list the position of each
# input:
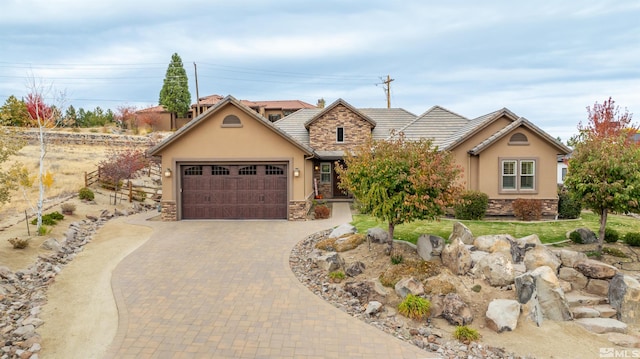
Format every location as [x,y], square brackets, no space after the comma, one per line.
[232,163]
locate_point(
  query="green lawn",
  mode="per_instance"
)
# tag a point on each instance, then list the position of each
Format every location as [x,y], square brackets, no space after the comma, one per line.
[548,231]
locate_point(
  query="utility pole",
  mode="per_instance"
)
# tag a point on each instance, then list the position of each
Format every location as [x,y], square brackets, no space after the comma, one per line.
[195,69]
[387,89]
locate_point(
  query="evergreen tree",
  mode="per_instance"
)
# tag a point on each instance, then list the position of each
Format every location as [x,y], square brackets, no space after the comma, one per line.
[14,112]
[175,96]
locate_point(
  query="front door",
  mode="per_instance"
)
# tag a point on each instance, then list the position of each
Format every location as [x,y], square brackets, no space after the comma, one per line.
[337,191]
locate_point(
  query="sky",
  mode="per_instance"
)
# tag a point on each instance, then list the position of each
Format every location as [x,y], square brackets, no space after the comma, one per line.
[544,60]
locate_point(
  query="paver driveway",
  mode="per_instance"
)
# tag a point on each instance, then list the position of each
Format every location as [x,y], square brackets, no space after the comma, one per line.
[223,289]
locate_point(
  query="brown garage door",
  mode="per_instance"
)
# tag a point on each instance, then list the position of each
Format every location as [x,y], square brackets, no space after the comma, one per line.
[239,191]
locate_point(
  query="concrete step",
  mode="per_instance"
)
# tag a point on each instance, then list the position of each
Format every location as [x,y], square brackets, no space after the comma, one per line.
[602,325]
[577,299]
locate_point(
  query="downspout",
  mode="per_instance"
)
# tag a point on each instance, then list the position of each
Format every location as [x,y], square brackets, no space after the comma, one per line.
[304,188]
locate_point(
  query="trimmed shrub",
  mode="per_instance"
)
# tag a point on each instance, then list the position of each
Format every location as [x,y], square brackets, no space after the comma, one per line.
[611,235]
[575,237]
[632,239]
[49,219]
[527,209]
[415,307]
[19,243]
[568,207]
[68,208]
[86,194]
[321,211]
[473,205]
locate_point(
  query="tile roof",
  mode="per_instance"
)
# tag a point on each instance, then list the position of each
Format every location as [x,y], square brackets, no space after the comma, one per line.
[437,124]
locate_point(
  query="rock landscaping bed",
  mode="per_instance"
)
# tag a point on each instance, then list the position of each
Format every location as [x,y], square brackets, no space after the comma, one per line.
[509,289]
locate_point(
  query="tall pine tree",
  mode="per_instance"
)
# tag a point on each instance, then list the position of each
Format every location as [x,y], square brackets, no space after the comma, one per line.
[175,96]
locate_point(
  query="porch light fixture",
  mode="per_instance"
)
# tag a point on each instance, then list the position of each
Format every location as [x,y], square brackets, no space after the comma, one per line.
[167,172]
[296,172]
[317,168]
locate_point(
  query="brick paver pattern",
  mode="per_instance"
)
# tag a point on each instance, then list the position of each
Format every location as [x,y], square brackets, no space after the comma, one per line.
[224,289]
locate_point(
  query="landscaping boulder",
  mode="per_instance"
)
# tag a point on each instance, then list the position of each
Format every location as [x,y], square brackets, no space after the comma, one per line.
[51,244]
[342,230]
[624,297]
[578,280]
[363,291]
[540,290]
[455,310]
[457,257]
[540,256]
[496,268]
[520,246]
[329,262]
[595,269]
[602,325]
[587,236]
[493,243]
[461,232]
[354,269]
[373,307]
[570,258]
[348,242]
[502,314]
[424,247]
[409,285]
[377,235]
[624,340]
[598,287]
[476,256]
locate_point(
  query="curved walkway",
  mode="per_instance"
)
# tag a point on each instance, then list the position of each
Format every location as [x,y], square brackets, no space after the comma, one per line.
[224,289]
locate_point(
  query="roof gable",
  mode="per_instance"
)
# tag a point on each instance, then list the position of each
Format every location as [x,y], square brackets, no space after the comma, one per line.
[211,111]
[335,104]
[520,122]
[477,124]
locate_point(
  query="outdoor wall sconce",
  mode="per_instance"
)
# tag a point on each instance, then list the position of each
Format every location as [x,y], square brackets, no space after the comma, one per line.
[296,172]
[317,168]
[167,172]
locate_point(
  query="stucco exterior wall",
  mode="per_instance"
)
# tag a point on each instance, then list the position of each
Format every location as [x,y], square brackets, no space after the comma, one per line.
[252,142]
[322,132]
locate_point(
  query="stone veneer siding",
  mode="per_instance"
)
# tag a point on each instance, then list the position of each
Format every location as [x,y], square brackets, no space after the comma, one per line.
[169,211]
[324,188]
[298,210]
[322,132]
[502,207]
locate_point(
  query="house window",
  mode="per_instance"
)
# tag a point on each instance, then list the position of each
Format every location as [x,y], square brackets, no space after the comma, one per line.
[325,172]
[273,170]
[518,175]
[248,170]
[231,121]
[564,173]
[219,171]
[518,139]
[193,171]
[340,134]
[274,118]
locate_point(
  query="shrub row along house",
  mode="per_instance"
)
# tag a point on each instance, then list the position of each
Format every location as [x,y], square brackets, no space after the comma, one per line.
[230,162]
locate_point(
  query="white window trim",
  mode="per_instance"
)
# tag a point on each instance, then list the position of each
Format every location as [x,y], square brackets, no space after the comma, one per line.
[518,176]
[322,164]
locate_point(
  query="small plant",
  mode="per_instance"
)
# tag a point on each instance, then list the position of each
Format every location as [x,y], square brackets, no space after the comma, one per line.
[86,194]
[632,239]
[415,307]
[575,237]
[321,211]
[611,235]
[19,243]
[476,288]
[527,209]
[465,334]
[49,219]
[614,252]
[43,231]
[140,196]
[337,276]
[396,257]
[473,206]
[593,254]
[68,208]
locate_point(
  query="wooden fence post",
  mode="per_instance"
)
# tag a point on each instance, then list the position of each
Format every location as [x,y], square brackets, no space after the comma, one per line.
[86,180]
[130,192]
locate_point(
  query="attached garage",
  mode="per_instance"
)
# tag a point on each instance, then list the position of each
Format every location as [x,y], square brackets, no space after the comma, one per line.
[234,191]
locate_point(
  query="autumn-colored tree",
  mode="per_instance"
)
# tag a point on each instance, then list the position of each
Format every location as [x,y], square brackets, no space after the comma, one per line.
[125,116]
[121,165]
[604,169]
[400,181]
